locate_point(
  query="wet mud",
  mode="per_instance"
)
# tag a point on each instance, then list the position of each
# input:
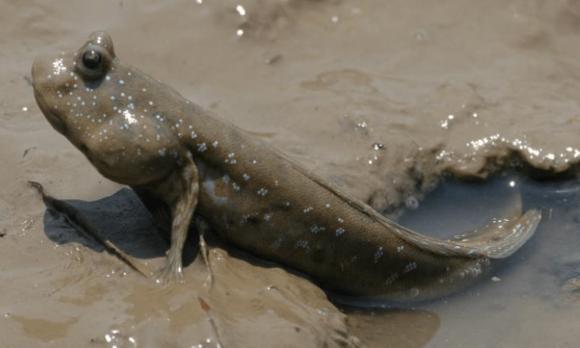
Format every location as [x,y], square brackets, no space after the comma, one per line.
[389,100]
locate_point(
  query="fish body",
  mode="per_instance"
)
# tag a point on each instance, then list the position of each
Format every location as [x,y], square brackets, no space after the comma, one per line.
[140,132]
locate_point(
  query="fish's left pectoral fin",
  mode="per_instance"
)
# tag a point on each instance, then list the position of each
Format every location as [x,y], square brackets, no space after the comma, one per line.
[180,191]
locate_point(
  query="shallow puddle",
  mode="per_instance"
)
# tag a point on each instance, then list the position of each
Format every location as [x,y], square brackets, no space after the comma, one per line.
[533,298]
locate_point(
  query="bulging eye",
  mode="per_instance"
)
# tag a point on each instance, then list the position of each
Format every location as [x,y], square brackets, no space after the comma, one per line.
[92,59]
[93,62]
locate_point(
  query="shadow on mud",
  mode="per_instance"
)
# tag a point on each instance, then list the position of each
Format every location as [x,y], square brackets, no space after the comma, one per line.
[121,219]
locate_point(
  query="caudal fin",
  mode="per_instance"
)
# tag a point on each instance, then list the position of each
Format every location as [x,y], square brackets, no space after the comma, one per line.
[501,238]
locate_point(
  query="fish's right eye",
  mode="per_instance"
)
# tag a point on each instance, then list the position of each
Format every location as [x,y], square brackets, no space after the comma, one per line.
[93,62]
[92,59]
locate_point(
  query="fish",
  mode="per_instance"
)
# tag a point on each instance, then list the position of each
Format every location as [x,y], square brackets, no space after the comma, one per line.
[186,163]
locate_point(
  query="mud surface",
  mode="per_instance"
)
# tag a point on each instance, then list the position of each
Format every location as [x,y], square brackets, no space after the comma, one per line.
[381,98]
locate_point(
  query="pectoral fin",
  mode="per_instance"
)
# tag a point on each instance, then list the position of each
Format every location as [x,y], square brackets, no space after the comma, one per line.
[180,192]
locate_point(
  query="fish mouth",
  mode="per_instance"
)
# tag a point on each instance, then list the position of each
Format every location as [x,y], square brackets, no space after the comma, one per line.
[54,120]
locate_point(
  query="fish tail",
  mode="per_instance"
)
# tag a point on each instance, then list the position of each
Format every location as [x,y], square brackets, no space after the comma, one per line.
[502,237]
[497,240]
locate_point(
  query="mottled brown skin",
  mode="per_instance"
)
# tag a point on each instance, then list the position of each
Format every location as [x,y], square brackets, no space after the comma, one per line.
[139,132]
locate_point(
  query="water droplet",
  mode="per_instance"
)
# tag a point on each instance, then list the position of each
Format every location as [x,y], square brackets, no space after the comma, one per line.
[412,202]
[241,10]
[362,125]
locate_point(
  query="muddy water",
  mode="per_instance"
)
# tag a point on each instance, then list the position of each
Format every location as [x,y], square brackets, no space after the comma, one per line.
[378,97]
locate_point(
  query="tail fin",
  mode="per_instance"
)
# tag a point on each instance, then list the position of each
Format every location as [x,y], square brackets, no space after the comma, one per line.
[497,240]
[501,238]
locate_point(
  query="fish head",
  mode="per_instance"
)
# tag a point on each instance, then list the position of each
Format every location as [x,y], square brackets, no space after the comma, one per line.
[108,110]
